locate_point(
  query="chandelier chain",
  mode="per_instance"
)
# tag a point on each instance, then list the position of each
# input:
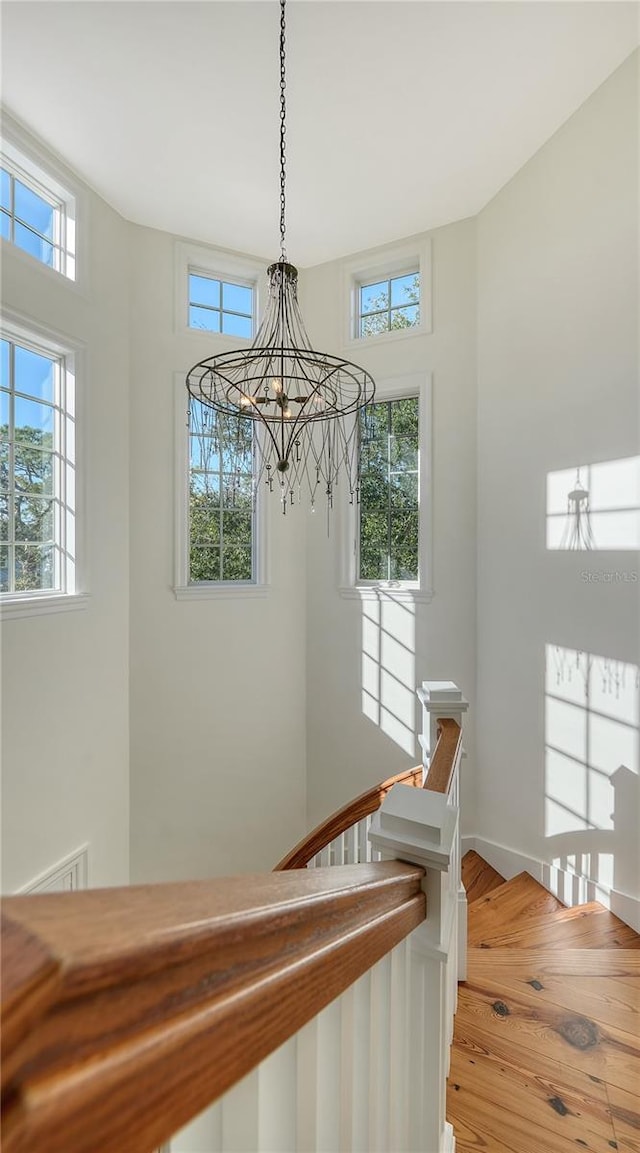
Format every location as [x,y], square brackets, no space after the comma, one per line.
[283,132]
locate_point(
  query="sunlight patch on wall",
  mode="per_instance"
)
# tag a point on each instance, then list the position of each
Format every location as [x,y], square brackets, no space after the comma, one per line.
[388,668]
[592,707]
[595,506]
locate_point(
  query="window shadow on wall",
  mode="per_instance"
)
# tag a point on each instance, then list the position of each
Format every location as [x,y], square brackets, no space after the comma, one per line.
[595,506]
[592,716]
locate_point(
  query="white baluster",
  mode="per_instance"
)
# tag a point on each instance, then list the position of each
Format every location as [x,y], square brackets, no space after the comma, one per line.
[380,1061]
[319,1078]
[240,1116]
[352,845]
[399,1048]
[356,1049]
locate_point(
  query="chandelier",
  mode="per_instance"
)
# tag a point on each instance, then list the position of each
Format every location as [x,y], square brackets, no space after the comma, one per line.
[303,404]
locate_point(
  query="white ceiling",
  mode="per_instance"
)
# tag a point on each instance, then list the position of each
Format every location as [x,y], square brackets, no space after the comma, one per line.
[402,115]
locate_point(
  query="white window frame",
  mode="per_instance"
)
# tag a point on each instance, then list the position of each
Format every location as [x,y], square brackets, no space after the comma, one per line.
[28,162]
[71,595]
[388,263]
[396,388]
[209,590]
[216,265]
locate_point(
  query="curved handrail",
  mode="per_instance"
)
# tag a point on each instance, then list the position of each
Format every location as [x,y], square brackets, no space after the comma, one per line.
[344,819]
[445,756]
[128,1011]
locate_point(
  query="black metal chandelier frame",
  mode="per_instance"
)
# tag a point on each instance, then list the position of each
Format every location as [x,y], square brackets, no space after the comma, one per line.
[305,402]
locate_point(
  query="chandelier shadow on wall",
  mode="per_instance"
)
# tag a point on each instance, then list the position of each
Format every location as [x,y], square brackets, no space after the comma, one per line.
[303,404]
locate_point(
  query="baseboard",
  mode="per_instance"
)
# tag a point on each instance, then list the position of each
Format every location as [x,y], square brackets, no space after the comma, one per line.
[570,888]
[448,1139]
[67,875]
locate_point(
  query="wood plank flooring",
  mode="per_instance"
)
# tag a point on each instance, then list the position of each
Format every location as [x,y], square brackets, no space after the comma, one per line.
[546,1054]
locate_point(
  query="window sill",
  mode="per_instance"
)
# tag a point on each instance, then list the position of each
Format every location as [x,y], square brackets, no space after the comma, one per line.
[12,607]
[212,592]
[390,591]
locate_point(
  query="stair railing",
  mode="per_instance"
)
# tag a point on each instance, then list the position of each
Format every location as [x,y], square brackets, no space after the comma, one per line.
[313,1005]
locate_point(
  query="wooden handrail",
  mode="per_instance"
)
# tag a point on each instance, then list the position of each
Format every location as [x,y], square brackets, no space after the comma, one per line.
[344,819]
[445,756]
[127,1011]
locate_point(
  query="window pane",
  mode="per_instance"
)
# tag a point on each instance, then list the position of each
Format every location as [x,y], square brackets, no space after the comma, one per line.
[4,517]
[4,467]
[238,298]
[204,519]
[237,325]
[405,317]
[204,564]
[205,483]
[372,325]
[374,297]
[4,569]
[33,244]
[404,490]
[203,290]
[205,318]
[4,412]
[35,211]
[33,423]
[237,492]
[236,528]
[404,417]
[204,453]
[33,519]
[34,567]
[405,289]
[5,226]
[236,564]
[374,545]
[33,470]
[403,454]
[5,189]
[404,546]
[35,374]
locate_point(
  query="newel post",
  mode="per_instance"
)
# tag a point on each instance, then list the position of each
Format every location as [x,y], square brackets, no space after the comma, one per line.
[444,699]
[422,826]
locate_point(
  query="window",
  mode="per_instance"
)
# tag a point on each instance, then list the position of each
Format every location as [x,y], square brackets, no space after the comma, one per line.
[37,470]
[221,497]
[37,216]
[389,304]
[389,514]
[386,296]
[221,306]
[386,534]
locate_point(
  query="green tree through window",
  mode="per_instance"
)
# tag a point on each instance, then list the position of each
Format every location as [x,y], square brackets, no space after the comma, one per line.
[221,497]
[389,491]
[388,305]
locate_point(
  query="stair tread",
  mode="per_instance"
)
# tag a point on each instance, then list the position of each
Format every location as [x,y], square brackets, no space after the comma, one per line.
[478,876]
[585,926]
[520,899]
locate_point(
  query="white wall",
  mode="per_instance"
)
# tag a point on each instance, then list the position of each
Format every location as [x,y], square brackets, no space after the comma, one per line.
[218,762]
[65,676]
[347,750]
[557,387]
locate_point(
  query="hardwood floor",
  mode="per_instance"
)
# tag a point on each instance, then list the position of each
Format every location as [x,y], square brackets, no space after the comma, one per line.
[546,1054]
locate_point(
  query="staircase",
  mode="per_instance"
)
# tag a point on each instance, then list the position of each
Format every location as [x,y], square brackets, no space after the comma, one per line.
[546,1051]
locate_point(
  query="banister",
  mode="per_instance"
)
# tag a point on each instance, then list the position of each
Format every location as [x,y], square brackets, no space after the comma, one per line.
[343,819]
[128,1011]
[445,756]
